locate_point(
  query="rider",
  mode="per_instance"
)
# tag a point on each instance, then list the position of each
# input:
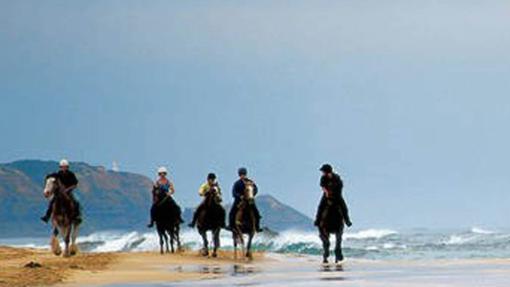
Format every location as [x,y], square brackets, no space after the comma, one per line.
[70,182]
[238,191]
[211,185]
[332,186]
[162,186]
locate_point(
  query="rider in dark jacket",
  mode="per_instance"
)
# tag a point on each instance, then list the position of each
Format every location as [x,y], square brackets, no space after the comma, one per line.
[68,179]
[238,191]
[332,186]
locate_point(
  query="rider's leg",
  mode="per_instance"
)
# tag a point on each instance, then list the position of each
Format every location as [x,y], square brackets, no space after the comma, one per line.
[77,208]
[320,210]
[177,209]
[153,215]
[232,216]
[345,212]
[195,215]
[256,213]
[47,215]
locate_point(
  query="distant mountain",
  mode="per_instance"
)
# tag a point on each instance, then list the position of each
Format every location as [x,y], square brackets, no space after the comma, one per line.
[275,215]
[111,200]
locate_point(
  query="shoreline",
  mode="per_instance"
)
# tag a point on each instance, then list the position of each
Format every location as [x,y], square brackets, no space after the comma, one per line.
[190,269]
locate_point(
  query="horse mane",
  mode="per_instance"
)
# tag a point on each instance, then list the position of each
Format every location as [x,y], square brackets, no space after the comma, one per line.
[53,174]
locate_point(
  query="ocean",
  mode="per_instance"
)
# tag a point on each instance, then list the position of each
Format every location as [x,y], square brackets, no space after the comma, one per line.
[373,244]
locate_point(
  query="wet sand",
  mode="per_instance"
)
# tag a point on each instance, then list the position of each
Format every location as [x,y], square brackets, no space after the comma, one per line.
[190,269]
[307,271]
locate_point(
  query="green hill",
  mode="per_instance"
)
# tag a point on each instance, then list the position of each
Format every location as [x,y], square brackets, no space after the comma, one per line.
[111,200]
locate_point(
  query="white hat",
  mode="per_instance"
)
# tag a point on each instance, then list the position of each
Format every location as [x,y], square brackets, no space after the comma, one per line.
[64,162]
[162,170]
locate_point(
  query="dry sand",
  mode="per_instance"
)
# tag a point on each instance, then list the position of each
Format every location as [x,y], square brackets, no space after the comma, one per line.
[101,268]
[190,269]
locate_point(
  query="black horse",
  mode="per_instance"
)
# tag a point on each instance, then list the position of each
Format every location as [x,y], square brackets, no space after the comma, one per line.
[331,222]
[211,218]
[167,216]
[245,223]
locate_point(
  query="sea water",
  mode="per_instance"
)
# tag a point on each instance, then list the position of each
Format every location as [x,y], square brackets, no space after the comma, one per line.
[374,244]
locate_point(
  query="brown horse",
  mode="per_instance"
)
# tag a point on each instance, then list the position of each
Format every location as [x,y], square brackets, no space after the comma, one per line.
[245,223]
[331,222]
[63,211]
[211,218]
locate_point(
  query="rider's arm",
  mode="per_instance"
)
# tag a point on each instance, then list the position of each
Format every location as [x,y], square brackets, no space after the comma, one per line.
[74,183]
[171,189]
[71,188]
[255,189]
[323,186]
[236,192]
[202,190]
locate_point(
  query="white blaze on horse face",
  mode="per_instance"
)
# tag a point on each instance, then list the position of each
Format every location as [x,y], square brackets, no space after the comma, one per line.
[249,191]
[48,187]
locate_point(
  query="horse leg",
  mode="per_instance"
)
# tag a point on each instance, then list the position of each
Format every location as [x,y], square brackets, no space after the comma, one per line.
[241,242]
[168,237]
[216,238]
[74,235]
[234,237]
[205,247]
[338,247]
[178,238]
[67,238]
[325,245]
[55,244]
[248,246]
[172,239]
[161,240]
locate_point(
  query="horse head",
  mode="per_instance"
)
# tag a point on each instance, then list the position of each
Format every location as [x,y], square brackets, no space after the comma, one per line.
[51,185]
[249,191]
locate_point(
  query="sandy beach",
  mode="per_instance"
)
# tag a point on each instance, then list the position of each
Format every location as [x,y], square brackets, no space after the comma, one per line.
[35,267]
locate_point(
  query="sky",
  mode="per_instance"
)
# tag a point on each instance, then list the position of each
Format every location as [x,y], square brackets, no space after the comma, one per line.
[408,100]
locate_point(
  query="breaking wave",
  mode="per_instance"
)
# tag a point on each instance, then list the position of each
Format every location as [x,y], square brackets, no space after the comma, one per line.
[368,243]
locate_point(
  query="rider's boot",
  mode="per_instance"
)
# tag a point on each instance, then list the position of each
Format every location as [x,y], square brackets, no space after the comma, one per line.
[45,218]
[151,224]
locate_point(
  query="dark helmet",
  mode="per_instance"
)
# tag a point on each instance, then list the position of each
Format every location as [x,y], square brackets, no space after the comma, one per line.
[326,168]
[242,171]
[211,176]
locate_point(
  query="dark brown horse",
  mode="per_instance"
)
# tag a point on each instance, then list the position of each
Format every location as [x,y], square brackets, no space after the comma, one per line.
[63,212]
[211,218]
[245,223]
[331,222]
[168,219]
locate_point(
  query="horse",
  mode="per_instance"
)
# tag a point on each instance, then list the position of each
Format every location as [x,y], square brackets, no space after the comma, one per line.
[331,222]
[245,223]
[211,218]
[167,218]
[63,211]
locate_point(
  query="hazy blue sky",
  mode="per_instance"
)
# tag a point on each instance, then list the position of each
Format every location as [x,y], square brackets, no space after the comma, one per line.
[409,99]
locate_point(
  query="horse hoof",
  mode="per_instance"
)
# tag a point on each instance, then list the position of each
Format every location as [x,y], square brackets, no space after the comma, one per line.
[73,250]
[214,255]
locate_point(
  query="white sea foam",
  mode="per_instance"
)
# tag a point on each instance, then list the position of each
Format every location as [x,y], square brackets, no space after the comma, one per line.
[478,230]
[370,234]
